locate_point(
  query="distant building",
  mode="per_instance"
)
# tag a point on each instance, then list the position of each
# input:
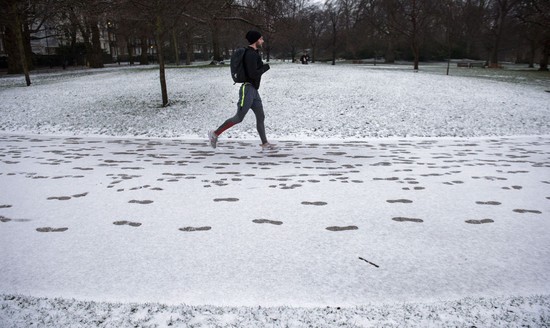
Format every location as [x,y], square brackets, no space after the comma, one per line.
[44,41]
[48,39]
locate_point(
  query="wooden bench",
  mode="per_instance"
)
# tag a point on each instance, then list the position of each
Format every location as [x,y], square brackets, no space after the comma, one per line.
[477,64]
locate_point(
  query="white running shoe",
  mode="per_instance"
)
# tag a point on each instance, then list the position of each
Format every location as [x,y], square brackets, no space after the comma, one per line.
[268,146]
[213,139]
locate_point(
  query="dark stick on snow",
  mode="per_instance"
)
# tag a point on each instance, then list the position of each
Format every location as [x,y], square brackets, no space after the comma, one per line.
[369,262]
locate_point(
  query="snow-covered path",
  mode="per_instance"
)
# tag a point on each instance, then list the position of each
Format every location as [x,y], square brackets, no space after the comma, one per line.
[171,221]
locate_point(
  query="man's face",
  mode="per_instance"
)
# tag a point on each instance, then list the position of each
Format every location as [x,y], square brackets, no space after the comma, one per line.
[260,42]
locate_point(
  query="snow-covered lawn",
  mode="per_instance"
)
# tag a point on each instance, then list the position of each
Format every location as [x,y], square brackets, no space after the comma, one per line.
[21,311]
[313,101]
[396,198]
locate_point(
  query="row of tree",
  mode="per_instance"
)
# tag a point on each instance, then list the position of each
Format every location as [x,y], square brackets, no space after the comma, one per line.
[488,30]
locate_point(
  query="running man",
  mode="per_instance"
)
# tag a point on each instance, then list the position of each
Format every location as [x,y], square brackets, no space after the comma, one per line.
[249,98]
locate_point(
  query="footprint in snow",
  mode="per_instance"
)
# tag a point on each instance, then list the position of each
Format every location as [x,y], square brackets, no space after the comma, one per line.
[49,229]
[483,221]
[189,229]
[260,221]
[404,219]
[337,228]
[130,223]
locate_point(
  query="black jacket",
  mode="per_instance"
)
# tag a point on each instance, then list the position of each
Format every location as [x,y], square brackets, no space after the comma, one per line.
[254,67]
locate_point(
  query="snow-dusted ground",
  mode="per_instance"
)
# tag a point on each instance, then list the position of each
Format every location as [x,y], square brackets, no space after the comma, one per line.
[21,311]
[313,101]
[445,223]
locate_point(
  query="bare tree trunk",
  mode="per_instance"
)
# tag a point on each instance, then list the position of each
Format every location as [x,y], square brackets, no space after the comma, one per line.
[532,51]
[267,47]
[216,57]
[389,55]
[313,52]
[20,43]
[496,46]
[144,58]
[416,52]
[334,38]
[130,47]
[176,48]
[188,47]
[160,44]
[449,51]
[188,52]
[12,49]
[205,51]
[414,45]
[545,55]
[334,17]
[504,8]
[87,43]
[96,57]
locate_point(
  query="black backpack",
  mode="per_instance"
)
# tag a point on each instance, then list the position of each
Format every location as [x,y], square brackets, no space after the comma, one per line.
[238,72]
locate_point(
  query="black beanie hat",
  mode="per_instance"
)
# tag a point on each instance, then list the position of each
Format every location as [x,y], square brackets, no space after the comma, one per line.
[253,36]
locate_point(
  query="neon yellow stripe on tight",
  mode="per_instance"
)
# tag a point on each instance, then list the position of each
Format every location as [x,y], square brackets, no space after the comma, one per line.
[242,96]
